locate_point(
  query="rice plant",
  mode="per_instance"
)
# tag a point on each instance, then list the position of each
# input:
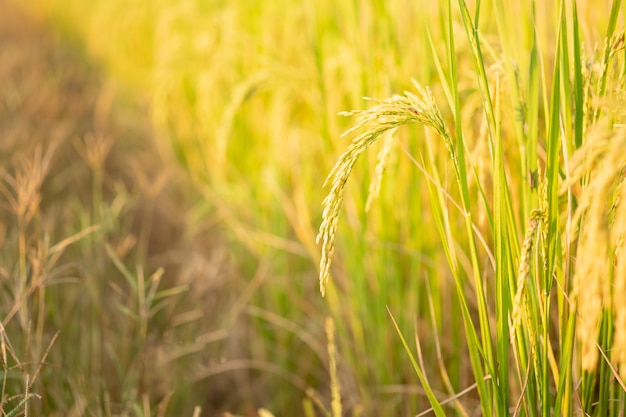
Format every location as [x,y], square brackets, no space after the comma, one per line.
[543,339]
[474,223]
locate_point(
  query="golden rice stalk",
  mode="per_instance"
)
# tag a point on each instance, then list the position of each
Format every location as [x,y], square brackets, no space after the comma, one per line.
[592,272]
[521,302]
[618,352]
[616,43]
[383,158]
[612,46]
[598,166]
[384,117]
[536,218]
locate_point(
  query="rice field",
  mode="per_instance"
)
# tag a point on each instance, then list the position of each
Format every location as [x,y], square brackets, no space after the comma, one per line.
[338,208]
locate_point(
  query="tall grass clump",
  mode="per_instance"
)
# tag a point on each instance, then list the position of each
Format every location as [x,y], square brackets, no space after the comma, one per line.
[474,228]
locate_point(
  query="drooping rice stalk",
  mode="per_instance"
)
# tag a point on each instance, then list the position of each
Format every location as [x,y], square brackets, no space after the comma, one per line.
[383,118]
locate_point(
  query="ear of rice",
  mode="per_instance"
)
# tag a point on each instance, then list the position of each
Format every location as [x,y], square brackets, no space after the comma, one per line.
[383,118]
[598,166]
[618,353]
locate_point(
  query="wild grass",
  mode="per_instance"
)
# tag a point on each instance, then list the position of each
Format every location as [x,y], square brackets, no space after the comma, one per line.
[485,247]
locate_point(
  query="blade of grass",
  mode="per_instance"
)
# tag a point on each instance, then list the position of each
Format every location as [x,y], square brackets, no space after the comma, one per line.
[578,81]
[552,177]
[475,346]
[564,394]
[434,402]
